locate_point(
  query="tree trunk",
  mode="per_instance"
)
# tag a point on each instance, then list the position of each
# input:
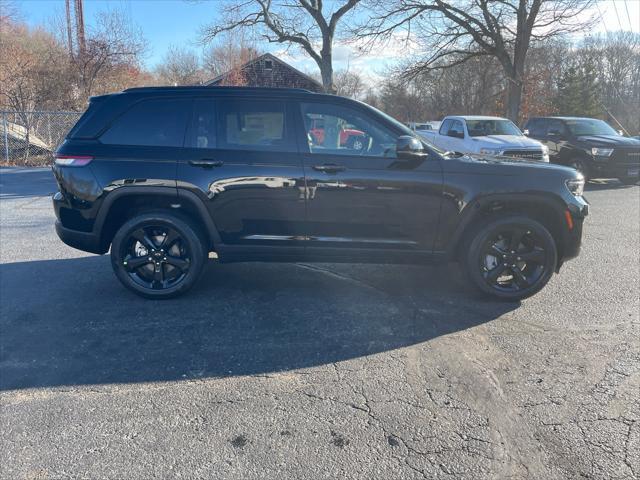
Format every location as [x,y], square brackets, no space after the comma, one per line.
[514,97]
[326,72]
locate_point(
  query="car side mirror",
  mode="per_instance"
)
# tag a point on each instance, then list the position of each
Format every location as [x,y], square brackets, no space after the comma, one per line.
[409,148]
[455,134]
[525,132]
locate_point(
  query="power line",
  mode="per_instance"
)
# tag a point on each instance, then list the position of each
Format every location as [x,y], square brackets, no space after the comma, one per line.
[604,24]
[626,7]
[617,16]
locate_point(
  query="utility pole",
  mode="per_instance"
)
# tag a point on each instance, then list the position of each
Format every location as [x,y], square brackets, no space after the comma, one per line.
[79,26]
[69,28]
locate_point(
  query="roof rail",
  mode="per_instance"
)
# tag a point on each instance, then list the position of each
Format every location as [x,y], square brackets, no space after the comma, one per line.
[209,88]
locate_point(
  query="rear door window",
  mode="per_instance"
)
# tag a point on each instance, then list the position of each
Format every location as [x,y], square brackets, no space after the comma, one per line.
[156,123]
[255,125]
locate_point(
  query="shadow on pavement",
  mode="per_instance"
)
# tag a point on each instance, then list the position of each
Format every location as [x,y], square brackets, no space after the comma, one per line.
[605,184]
[16,182]
[69,322]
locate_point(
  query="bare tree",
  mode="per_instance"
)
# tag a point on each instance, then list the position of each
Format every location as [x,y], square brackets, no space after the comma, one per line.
[180,67]
[113,47]
[349,84]
[306,24]
[456,31]
[227,56]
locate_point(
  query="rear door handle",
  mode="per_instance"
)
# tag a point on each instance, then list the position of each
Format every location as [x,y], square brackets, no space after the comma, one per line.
[206,163]
[329,168]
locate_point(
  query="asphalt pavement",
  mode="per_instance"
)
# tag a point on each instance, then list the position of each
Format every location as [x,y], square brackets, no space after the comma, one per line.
[309,371]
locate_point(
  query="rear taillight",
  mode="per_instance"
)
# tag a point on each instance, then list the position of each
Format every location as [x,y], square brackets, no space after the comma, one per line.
[73,160]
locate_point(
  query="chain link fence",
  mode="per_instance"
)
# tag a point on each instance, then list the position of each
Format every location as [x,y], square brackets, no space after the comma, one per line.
[30,138]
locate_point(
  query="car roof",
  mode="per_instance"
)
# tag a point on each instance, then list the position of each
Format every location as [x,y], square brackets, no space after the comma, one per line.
[217,89]
[475,117]
[563,118]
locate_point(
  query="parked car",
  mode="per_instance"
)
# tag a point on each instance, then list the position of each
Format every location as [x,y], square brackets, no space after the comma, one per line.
[348,137]
[169,176]
[481,135]
[418,126]
[589,145]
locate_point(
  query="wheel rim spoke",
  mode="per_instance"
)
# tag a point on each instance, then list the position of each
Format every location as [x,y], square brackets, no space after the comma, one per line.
[133,263]
[171,238]
[495,251]
[519,277]
[494,274]
[179,263]
[516,239]
[537,255]
[158,275]
[141,236]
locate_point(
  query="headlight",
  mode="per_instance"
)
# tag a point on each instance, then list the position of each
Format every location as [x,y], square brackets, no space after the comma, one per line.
[601,152]
[575,186]
[490,151]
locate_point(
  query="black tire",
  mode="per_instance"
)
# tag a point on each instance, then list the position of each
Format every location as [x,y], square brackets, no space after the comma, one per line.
[520,271]
[167,251]
[580,165]
[629,180]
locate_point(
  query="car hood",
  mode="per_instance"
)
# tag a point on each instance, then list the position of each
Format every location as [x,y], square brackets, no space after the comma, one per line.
[505,141]
[608,140]
[512,166]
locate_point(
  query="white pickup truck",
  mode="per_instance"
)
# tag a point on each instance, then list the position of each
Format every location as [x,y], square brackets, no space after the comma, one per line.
[492,136]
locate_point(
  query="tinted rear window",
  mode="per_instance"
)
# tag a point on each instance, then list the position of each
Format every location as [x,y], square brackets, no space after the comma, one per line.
[254,125]
[157,123]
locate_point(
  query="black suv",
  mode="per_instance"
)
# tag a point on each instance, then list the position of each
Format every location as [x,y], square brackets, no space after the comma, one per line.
[589,145]
[170,176]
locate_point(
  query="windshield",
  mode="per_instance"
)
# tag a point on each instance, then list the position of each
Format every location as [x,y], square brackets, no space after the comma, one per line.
[483,128]
[588,126]
[406,130]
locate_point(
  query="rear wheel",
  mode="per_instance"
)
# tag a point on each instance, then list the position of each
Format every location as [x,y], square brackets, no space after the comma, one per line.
[157,255]
[511,258]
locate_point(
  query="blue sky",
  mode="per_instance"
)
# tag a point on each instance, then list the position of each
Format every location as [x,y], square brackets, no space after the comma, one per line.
[176,22]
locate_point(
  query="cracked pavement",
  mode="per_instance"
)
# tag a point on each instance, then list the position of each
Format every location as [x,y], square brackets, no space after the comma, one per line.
[316,371]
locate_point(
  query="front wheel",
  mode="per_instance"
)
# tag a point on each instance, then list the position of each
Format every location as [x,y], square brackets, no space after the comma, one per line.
[581,166]
[511,258]
[157,255]
[629,180]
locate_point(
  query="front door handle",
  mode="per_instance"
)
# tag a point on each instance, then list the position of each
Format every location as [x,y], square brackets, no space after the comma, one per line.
[329,168]
[206,163]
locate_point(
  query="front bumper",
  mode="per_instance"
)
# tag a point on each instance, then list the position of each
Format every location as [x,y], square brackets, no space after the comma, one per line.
[573,236]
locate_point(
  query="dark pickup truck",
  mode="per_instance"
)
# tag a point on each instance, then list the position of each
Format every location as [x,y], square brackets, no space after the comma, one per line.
[589,145]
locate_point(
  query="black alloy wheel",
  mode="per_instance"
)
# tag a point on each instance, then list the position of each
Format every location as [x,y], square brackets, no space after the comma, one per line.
[157,255]
[512,258]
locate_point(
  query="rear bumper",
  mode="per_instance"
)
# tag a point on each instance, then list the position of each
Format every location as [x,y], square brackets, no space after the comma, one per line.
[86,241]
